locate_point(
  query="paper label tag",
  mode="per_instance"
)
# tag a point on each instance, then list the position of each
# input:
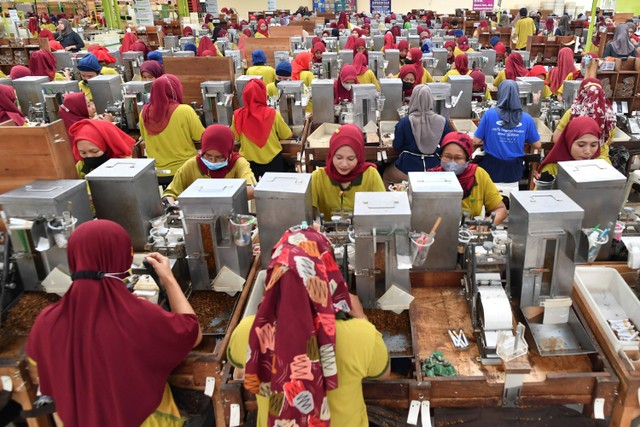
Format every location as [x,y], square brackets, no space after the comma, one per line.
[7,384]
[598,408]
[425,414]
[414,411]
[234,415]
[209,386]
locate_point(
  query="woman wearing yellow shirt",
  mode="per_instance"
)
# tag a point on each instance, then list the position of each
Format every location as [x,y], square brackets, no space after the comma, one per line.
[9,111]
[301,71]
[283,73]
[260,129]
[365,75]
[566,70]
[216,160]
[334,187]
[514,68]
[462,47]
[415,57]
[89,68]
[169,128]
[540,72]
[461,68]
[260,68]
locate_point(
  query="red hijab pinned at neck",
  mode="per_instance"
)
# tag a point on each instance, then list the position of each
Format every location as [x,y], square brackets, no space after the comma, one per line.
[351,136]
[360,63]
[187,31]
[360,42]
[166,96]
[318,47]
[219,138]
[342,20]
[255,119]
[515,66]
[462,64]
[127,41]
[463,43]
[348,72]
[416,57]
[351,42]
[404,72]
[467,178]
[105,135]
[565,67]
[300,64]
[260,30]
[19,71]
[72,110]
[577,127]
[389,41]
[8,108]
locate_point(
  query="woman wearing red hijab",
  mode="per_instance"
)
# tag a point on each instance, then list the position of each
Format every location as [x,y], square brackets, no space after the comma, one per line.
[548,26]
[9,111]
[127,41]
[514,68]
[43,63]
[19,71]
[168,127]
[246,33]
[403,49]
[151,70]
[351,42]
[206,44]
[360,46]
[480,90]
[260,129]
[450,45]
[389,41]
[566,70]
[33,26]
[461,68]
[342,87]
[95,142]
[75,107]
[484,27]
[318,49]
[187,31]
[333,188]
[216,160]
[462,47]
[415,57]
[365,75]
[262,30]
[113,365]
[342,20]
[54,45]
[140,46]
[102,53]
[408,76]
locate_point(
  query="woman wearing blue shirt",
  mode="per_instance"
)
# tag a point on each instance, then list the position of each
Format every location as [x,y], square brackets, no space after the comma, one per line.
[503,131]
[417,138]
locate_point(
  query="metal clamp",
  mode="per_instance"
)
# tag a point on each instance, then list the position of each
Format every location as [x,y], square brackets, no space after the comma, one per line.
[512,389]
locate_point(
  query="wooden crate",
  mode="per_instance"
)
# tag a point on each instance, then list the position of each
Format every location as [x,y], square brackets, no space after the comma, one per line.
[288,31]
[195,70]
[268,45]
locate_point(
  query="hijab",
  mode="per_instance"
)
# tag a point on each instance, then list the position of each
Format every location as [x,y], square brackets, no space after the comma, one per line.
[416,57]
[591,101]
[152,67]
[255,119]
[33,26]
[292,354]
[259,30]
[537,70]
[577,127]
[360,42]
[404,71]
[140,46]
[43,63]
[395,30]
[301,63]
[450,44]
[402,45]
[515,66]
[348,72]
[389,41]
[128,40]
[621,43]
[342,20]
[219,138]
[426,125]
[205,44]
[166,96]
[102,53]
[107,136]
[8,108]
[187,31]
[360,63]
[509,107]
[463,43]
[102,353]
[318,47]
[351,136]
[462,64]
[565,67]
[549,24]
[72,110]
[563,25]
[19,71]
[467,178]
[479,81]
[66,29]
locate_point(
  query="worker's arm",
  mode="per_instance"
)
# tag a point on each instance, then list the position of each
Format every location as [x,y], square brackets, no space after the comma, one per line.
[477,141]
[501,213]
[537,144]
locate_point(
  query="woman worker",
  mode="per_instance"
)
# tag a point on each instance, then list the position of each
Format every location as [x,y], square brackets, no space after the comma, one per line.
[365,75]
[114,364]
[480,89]
[540,72]
[408,76]
[216,160]
[260,68]
[151,70]
[415,57]
[450,45]
[68,38]
[260,129]
[262,30]
[461,68]
[503,132]
[499,47]
[621,45]
[283,73]
[43,63]
[462,47]
[403,49]
[54,45]
[305,288]
[478,190]
[334,187]
[318,49]
[76,107]
[342,87]
[9,111]
[89,68]
[417,137]
[95,142]
[514,68]
[169,128]
[566,70]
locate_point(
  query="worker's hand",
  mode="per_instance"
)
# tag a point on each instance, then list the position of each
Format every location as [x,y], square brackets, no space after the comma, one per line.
[172,210]
[357,311]
[68,48]
[67,74]
[160,264]
[108,117]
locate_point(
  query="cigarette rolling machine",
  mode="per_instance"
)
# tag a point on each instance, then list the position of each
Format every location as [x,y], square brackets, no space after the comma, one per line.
[63,60]
[290,102]
[282,201]
[217,97]
[184,54]
[126,191]
[484,59]
[135,95]
[236,57]
[54,93]
[346,57]
[171,42]
[322,94]
[241,82]
[6,81]
[440,54]
[391,92]
[40,217]
[364,104]
[377,64]
[210,244]
[569,92]
[442,98]
[183,41]
[461,94]
[280,56]
[393,58]
[525,91]
[29,92]
[132,62]
[378,42]
[106,91]
[330,65]
[535,102]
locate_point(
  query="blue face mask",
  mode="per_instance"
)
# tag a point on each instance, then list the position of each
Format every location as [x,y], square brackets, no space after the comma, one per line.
[457,168]
[214,166]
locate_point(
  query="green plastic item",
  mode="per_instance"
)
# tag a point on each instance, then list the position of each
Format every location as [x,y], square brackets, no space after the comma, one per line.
[437,366]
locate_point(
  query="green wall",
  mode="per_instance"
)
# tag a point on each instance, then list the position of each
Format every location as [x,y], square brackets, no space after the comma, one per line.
[626,6]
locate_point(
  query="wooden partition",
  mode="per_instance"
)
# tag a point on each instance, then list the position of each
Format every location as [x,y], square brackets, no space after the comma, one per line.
[269,46]
[289,31]
[195,70]
[309,25]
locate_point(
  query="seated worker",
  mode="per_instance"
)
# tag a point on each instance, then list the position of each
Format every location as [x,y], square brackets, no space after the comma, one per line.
[121,375]
[342,87]
[9,111]
[334,187]
[415,57]
[43,63]
[408,76]
[190,47]
[450,45]
[69,39]
[566,70]
[283,73]
[95,142]
[301,70]
[262,31]
[514,68]
[499,47]
[403,49]
[169,128]
[360,46]
[478,190]
[54,45]
[480,89]
[503,131]
[622,45]
[216,160]
[317,51]
[260,129]
[365,75]
[540,72]
[151,70]
[462,47]
[460,68]
[417,137]
[580,140]
[305,288]
[89,67]
[155,55]
[259,67]
[76,107]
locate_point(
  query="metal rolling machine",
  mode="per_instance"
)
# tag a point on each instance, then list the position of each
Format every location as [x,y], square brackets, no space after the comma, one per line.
[217,102]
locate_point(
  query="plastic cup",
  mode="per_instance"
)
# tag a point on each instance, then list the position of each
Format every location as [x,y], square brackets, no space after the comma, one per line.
[241,227]
[62,232]
[595,243]
[420,245]
[617,235]
[544,185]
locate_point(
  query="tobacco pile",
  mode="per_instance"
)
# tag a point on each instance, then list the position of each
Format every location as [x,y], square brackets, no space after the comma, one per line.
[213,307]
[21,316]
[389,322]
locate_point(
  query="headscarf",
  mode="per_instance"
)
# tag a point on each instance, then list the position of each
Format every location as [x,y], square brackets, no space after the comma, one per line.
[416,57]
[284,69]
[291,356]
[404,70]
[187,31]
[360,63]
[258,57]
[348,72]
[166,96]
[549,24]
[43,63]
[402,45]
[66,29]
[576,128]
[479,81]
[426,125]
[318,47]
[301,63]
[591,101]
[89,63]
[127,41]
[509,107]
[72,110]
[349,135]
[19,71]
[462,64]
[205,44]
[152,67]
[389,41]
[190,47]
[263,32]
[537,70]
[463,43]
[467,178]
[565,66]
[100,341]
[360,42]
[395,30]
[255,119]
[8,108]
[621,43]
[107,136]
[515,66]
[450,44]
[155,56]
[102,53]
[501,49]
[563,25]
[342,20]
[140,46]
[494,40]
[33,26]
[222,34]
[219,138]
[483,24]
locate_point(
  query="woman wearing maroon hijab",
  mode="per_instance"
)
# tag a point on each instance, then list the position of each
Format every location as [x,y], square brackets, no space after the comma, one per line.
[43,63]
[103,354]
[19,71]
[342,86]
[75,107]
[8,108]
